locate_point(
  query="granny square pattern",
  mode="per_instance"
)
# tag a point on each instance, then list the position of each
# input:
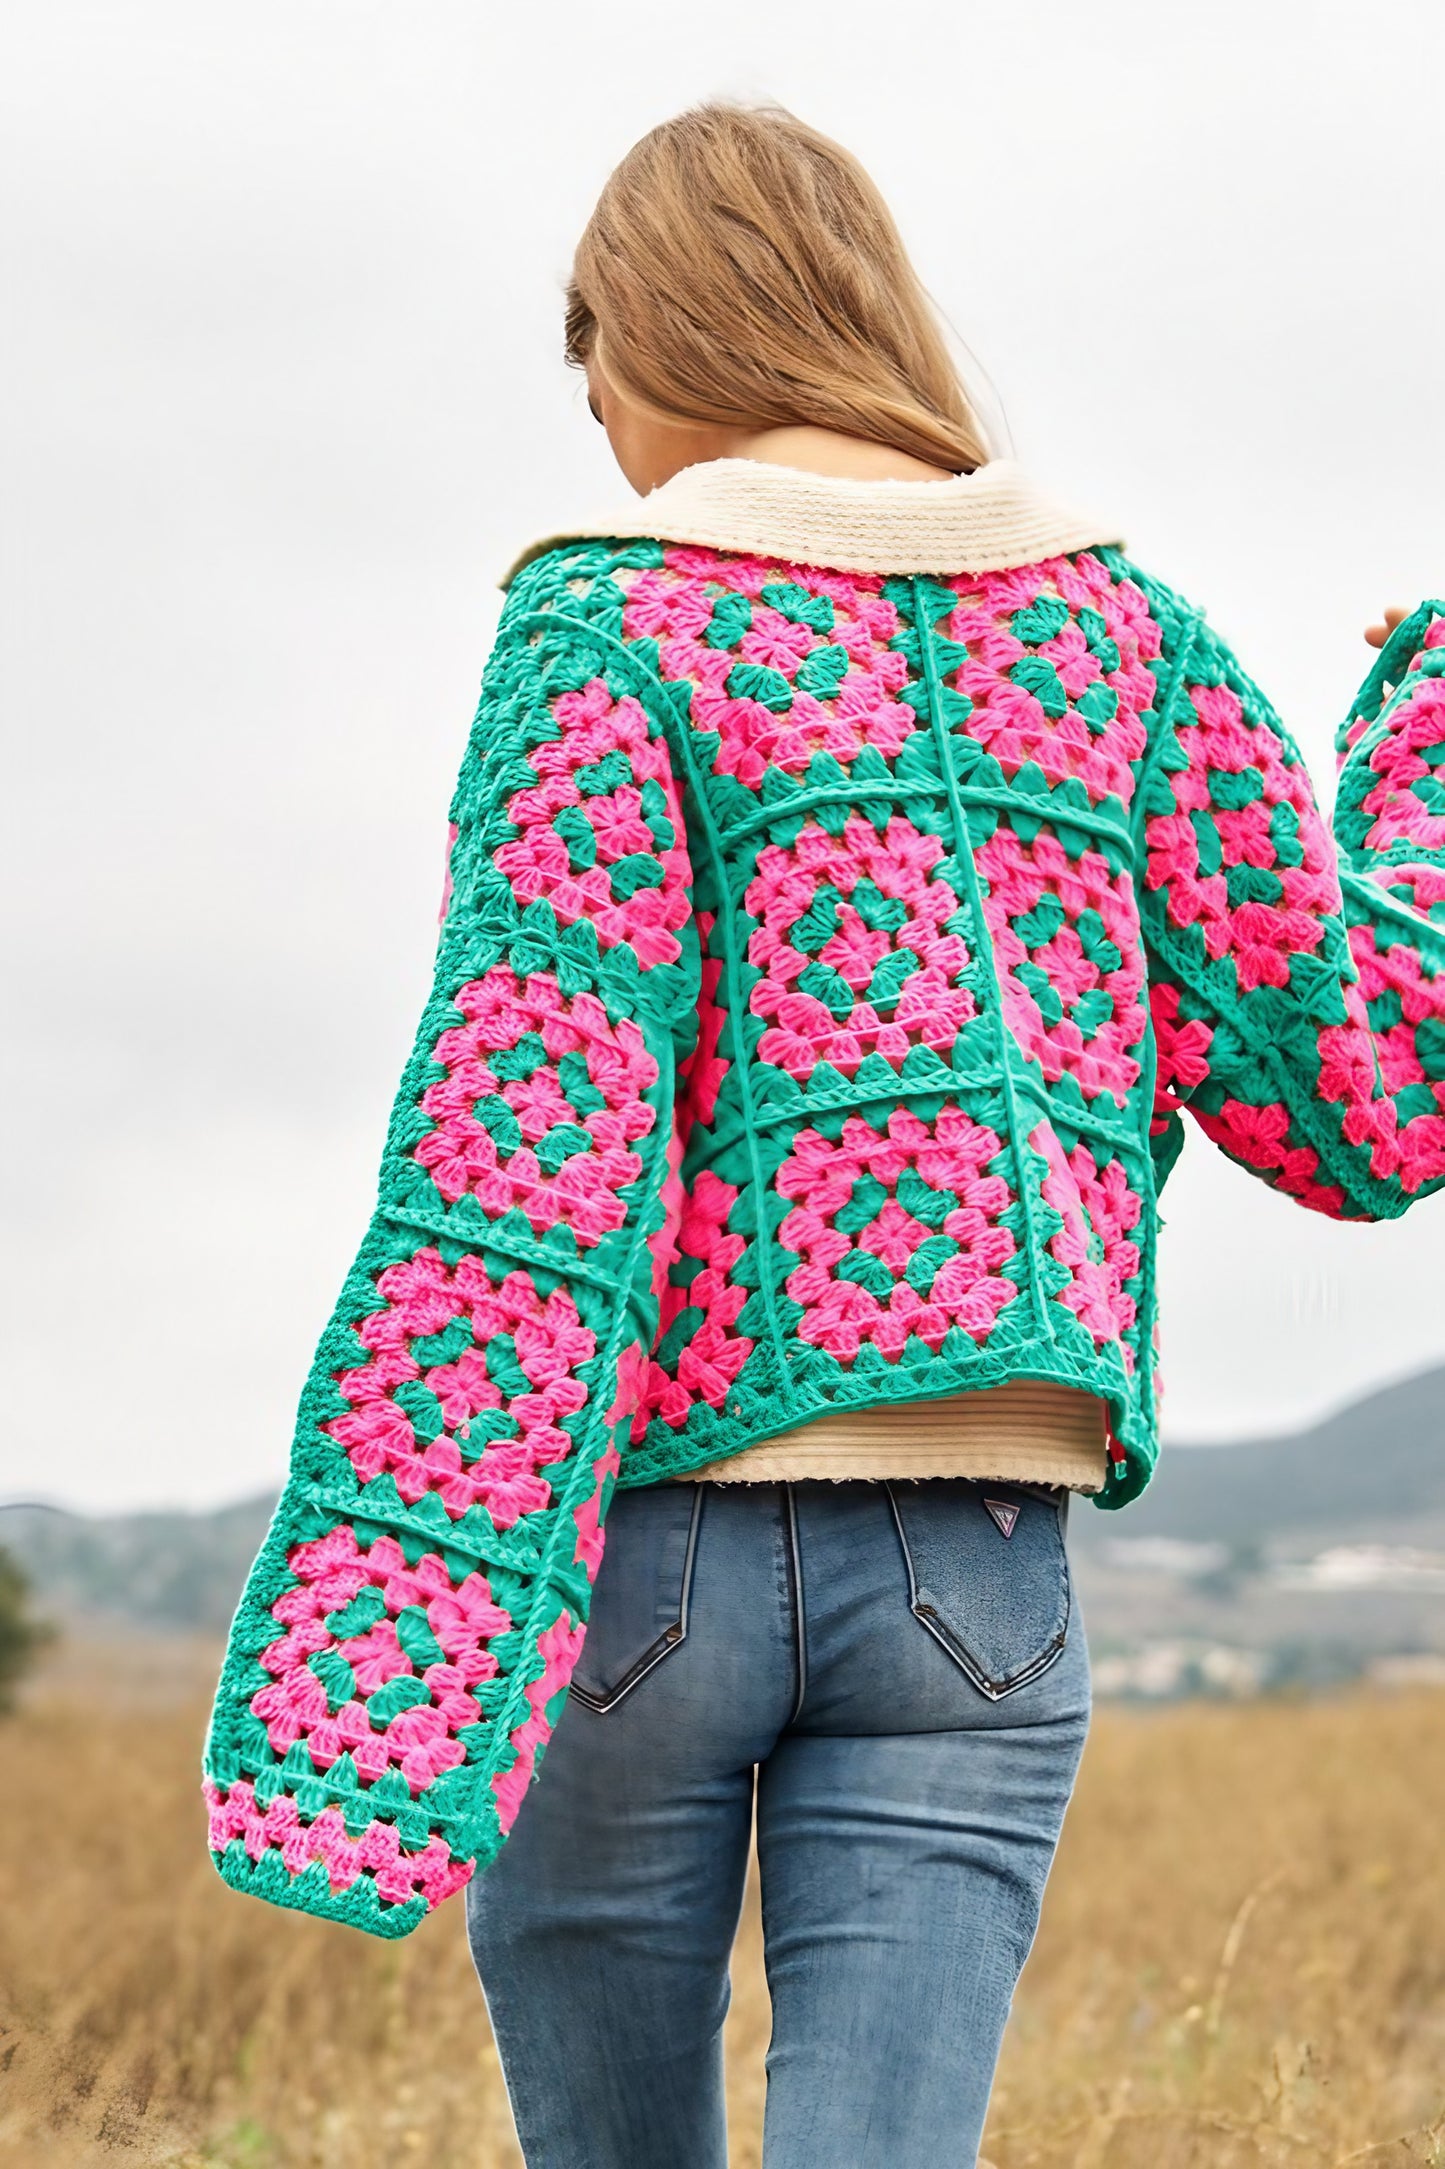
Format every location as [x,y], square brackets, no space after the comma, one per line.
[828,963]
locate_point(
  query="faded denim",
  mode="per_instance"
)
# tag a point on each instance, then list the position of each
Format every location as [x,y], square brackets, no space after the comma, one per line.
[911,1686]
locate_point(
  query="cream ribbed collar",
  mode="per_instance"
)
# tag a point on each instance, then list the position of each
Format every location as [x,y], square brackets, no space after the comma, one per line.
[986,521]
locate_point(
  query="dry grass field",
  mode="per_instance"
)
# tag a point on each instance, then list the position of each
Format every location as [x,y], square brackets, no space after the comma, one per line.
[1242,1960]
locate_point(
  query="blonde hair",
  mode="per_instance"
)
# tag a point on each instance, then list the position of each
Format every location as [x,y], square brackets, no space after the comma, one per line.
[742,269]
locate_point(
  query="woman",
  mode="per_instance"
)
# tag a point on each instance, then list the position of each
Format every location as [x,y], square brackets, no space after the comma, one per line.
[858,868]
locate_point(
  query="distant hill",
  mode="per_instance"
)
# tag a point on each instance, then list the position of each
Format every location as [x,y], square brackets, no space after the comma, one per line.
[178,1573]
[1220,1554]
[1374,1471]
[1303,1559]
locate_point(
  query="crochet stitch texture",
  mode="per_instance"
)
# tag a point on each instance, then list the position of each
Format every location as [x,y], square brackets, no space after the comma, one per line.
[829,960]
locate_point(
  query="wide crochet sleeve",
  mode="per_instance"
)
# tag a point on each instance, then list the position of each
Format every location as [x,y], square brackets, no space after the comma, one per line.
[1297,977]
[408,1632]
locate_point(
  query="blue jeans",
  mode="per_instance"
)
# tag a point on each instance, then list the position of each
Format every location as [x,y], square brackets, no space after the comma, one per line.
[910,1685]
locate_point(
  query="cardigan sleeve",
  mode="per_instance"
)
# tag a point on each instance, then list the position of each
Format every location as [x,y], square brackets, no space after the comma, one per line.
[407,1635]
[1297,975]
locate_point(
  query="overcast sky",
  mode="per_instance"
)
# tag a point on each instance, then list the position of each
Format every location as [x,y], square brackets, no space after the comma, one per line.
[285,394]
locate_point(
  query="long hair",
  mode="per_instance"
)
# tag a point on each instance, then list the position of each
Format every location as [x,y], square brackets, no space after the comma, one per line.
[742,269]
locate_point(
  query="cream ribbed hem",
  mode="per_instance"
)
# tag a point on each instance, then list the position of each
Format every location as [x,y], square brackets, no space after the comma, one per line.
[1029,1430]
[986,521]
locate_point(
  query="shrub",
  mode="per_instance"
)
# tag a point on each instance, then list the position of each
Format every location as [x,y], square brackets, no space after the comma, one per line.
[21,1636]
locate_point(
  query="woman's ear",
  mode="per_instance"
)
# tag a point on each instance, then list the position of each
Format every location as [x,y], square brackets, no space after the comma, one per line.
[649,447]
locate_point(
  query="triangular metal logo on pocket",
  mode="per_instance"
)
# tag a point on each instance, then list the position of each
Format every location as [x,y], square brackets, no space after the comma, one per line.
[1004,1512]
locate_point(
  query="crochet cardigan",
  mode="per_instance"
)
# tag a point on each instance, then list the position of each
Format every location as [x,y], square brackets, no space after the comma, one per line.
[832,953]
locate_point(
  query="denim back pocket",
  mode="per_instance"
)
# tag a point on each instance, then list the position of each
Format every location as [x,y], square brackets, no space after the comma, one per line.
[987,1576]
[640,1603]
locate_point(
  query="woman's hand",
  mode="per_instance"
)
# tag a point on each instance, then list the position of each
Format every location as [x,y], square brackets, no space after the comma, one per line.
[1377,635]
